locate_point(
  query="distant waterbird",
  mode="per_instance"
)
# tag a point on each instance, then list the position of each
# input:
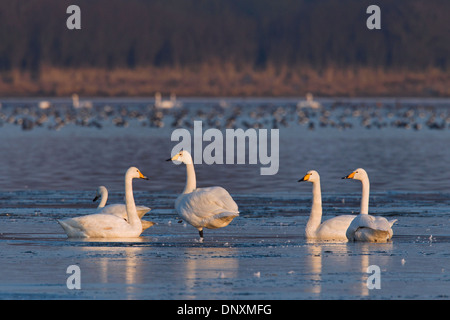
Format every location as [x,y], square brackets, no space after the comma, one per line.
[309,102]
[166,104]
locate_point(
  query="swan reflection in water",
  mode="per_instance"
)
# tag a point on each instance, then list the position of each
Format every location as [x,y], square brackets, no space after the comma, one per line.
[117,262]
[325,259]
[134,265]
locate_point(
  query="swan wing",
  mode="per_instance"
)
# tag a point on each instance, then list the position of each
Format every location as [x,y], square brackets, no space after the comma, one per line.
[375,223]
[142,210]
[366,227]
[96,225]
[201,205]
[335,228]
[371,222]
[120,210]
[221,198]
[219,220]
[205,202]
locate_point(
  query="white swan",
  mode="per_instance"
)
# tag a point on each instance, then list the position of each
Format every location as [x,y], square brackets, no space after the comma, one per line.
[331,229]
[309,102]
[366,227]
[210,208]
[77,104]
[166,104]
[102,194]
[102,225]
[119,210]
[44,104]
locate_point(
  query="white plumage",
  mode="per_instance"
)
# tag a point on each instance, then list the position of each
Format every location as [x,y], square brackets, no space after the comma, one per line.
[366,227]
[309,102]
[210,208]
[370,229]
[333,229]
[101,225]
[119,209]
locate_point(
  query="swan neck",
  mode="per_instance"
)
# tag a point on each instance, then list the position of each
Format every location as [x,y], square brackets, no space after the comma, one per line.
[103,199]
[191,182]
[365,196]
[316,210]
[133,218]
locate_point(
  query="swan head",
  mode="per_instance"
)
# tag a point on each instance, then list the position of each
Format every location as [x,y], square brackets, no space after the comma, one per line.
[311,176]
[100,192]
[134,173]
[182,156]
[358,174]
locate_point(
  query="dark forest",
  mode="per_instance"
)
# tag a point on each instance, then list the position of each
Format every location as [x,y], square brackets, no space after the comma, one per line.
[294,41]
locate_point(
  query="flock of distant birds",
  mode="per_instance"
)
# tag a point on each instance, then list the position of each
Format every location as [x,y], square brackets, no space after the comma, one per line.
[224,114]
[213,208]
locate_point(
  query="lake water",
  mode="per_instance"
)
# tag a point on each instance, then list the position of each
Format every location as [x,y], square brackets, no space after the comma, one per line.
[52,161]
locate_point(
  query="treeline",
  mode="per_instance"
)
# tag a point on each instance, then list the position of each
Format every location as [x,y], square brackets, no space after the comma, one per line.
[414,35]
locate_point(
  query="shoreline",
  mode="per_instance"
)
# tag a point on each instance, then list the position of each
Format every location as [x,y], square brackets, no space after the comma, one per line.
[226,81]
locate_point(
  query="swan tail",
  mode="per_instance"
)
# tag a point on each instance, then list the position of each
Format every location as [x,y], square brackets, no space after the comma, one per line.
[142,210]
[71,231]
[146,224]
[391,222]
